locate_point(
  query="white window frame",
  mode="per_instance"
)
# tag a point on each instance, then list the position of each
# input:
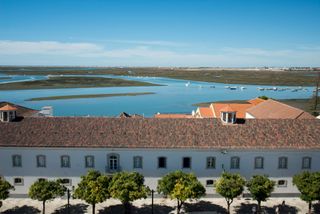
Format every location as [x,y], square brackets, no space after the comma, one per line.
[18,184]
[235,162]
[137,162]
[257,163]
[86,161]
[283,162]
[65,161]
[39,165]
[211,162]
[14,157]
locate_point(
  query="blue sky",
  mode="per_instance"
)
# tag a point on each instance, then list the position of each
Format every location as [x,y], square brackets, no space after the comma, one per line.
[228,33]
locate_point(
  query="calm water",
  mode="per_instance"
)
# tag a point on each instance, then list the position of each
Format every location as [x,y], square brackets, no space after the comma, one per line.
[173,97]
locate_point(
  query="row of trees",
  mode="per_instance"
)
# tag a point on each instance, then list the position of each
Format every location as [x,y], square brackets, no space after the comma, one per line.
[129,186]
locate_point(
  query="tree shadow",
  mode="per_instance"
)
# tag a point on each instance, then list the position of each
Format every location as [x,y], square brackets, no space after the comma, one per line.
[316,207]
[286,209]
[145,209]
[202,206]
[22,210]
[247,208]
[74,209]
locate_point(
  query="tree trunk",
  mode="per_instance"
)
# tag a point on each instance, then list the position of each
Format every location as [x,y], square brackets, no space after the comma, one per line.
[178,206]
[310,206]
[228,207]
[259,207]
[127,207]
[93,208]
[43,207]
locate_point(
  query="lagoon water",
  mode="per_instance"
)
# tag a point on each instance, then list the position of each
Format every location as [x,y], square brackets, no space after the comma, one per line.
[173,97]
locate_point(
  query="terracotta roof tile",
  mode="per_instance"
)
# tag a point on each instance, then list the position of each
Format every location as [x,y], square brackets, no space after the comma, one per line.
[21,110]
[173,116]
[8,107]
[206,112]
[256,101]
[239,108]
[156,133]
[271,109]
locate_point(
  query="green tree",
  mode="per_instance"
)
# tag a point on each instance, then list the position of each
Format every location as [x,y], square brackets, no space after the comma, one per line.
[308,184]
[263,97]
[5,188]
[127,187]
[93,188]
[230,186]
[44,190]
[181,186]
[260,187]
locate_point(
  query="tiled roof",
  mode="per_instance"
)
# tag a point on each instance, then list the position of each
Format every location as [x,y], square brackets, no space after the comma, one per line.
[173,116]
[21,111]
[227,108]
[256,101]
[8,107]
[239,108]
[156,133]
[271,109]
[206,112]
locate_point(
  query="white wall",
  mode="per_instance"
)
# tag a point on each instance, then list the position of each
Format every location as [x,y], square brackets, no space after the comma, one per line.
[30,173]
[249,116]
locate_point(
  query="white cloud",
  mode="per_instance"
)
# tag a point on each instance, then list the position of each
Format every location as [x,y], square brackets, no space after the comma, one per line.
[67,53]
[47,47]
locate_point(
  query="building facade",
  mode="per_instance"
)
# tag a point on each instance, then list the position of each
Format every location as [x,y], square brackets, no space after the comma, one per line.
[67,147]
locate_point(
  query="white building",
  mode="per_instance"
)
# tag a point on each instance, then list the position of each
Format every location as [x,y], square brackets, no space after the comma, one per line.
[66,147]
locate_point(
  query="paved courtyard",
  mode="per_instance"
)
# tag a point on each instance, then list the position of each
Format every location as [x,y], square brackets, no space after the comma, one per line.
[162,206]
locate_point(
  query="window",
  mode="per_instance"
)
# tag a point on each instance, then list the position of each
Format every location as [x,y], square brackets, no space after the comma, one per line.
[283,163]
[41,161]
[211,162]
[209,183]
[65,161]
[66,181]
[89,161]
[258,163]
[113,162]
[162,162]
[306,163]
[18,181]
[16,161]
[137,162]
[186,162]
[282,183]
[235,163]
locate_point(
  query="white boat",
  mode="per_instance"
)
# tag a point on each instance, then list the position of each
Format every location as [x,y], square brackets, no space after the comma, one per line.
[187,84]
[242,88]
[261,89]
[227,87]
[233,88]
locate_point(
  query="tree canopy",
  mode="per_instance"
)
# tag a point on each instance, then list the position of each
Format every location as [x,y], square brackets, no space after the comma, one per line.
[128,187]
[93,188]
[308,183]
[260,187]
[5,188]
[181,186]
[44,190]
[230,186]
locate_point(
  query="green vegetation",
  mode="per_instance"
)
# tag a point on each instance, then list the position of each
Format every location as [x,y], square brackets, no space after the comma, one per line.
[230,186]
[180,186]
[260,187]
[5,188]
[93,188]
[72,82]
[44,190]
[229,76]
[128,187]
[264,97]
[308,183]
[67,97]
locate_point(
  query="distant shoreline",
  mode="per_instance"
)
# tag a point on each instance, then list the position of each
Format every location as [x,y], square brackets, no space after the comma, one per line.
[72,82]
[248,76]
[83,96]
